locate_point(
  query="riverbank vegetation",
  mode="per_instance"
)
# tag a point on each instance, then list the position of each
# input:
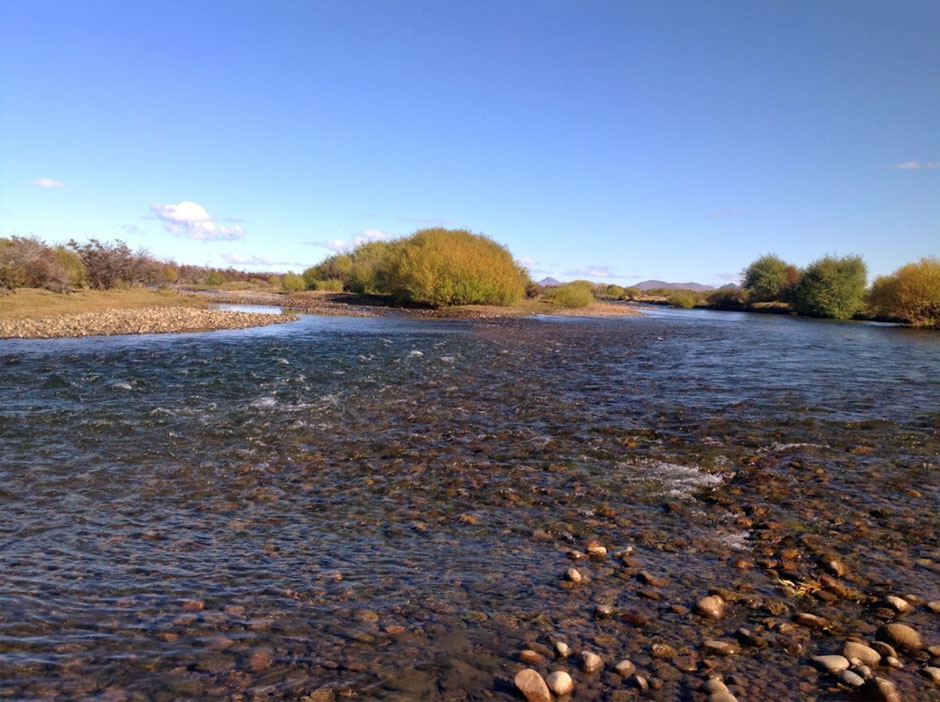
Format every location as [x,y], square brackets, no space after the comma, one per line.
[443,268]
[434,267]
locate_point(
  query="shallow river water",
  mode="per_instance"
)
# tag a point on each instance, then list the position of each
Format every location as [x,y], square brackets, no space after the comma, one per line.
[386,508]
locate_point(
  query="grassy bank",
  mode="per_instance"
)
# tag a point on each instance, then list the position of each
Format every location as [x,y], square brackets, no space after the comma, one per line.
[34,303]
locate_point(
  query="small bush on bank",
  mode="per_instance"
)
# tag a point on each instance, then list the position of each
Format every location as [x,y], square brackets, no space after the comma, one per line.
[291,282]
[214,278]
[570,295]
[831,287]
[614,292]
[631,293]
[685,299]
[331,285]
[728,299]
[911,293]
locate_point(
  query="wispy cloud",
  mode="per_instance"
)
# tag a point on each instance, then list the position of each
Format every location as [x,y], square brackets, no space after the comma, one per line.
[593,273]
[131,229]
[358,239]
[237,259]
[719,214]
[917,165]
[48,183]
[193,222]
[728,277]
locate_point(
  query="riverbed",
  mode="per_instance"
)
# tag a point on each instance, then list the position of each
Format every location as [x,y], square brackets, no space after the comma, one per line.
[386,508]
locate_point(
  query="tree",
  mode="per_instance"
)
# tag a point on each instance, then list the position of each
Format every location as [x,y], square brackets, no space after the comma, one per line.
[831,287]
[768,278]
[911,293]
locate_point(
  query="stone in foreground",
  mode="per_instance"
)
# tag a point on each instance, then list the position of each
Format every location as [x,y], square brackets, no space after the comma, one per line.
[531,685]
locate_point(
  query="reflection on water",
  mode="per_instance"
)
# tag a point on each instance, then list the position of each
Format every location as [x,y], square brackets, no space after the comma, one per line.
[383,507]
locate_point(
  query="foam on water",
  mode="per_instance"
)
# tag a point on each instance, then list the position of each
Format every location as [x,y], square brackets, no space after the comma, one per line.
[672,479]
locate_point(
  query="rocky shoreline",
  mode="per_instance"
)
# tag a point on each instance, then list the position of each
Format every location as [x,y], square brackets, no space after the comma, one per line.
[150,320]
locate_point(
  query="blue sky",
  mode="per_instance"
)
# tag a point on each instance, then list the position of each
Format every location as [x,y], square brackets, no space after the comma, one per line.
[614,140]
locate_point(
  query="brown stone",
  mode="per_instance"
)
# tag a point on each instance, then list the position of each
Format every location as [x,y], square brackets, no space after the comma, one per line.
[532,686]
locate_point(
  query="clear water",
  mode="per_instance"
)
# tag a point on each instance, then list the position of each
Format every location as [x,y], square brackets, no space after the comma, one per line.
[382,507]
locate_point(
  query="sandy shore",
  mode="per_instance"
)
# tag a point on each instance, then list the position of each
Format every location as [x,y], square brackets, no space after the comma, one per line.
[153,320]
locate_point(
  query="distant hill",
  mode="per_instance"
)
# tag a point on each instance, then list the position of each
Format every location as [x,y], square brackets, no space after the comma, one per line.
[549,283]
[652,284]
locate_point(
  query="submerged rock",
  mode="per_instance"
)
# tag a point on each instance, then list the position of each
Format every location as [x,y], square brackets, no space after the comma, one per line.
[901,635]
[560,683]
[865,654]
[625,668]
[832,664]
[532,686]
[592,662]
[711,606]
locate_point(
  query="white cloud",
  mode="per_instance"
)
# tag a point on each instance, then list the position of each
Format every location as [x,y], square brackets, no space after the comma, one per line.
[359,238]
[237,259]
[192,221]
[916,165]
[48,183]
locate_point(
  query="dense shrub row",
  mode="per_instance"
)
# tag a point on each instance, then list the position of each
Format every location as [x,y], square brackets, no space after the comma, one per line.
[835,287]
[436,267]
[27,262]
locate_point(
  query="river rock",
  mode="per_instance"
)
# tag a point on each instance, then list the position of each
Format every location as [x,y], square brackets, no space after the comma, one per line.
[882,690]
[562,650]
[722,696]
[261,659]
[832,664]
[933,673]
[899,604]
[901,635]
[560,682]
[720,648]
[934,606]
[833,564]
[591,661]
[885,649]
[713,685]
[625,668]
[865,654]
[711,606]
[574,575]
[531,685]
[934,651]
[893,662]
[651,580]
[596,550]
[810,621]
[531,657]
[853,680]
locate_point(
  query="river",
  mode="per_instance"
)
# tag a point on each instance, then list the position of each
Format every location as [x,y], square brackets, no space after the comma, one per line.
[385,508]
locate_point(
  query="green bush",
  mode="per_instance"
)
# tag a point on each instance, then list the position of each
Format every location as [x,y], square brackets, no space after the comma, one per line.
[911,293]
[728,299]
[686,299]
[291,282]
[632,293]
[331,285]
[831,287]
[769,278]
[214,278]
[614,292]
[452,267]
[570,295]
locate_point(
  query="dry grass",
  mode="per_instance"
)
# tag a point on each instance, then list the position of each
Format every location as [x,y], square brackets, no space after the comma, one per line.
[29,303]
